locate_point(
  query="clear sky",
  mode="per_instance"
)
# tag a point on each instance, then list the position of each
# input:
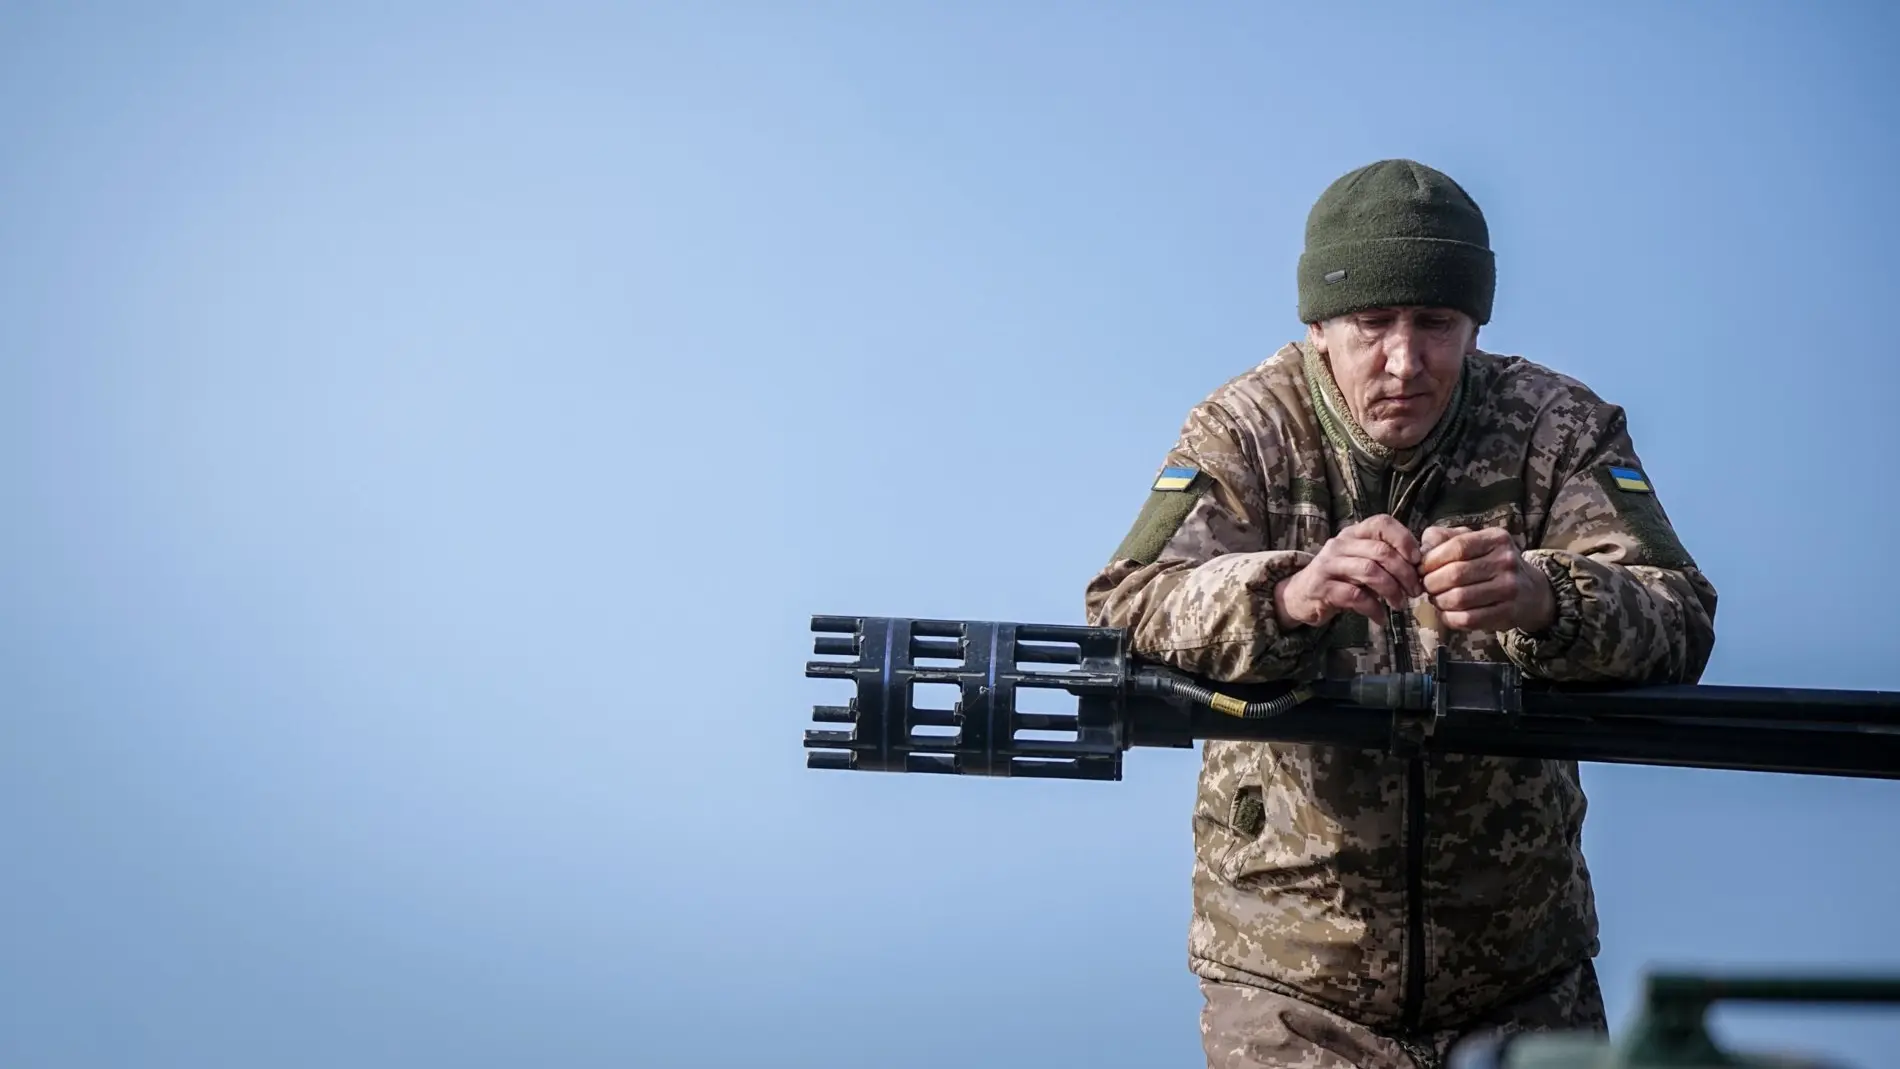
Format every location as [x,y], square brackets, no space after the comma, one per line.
[428,429]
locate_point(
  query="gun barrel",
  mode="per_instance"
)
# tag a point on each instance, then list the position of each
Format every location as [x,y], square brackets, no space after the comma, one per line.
[1692,742]
[1693,988]
[1457,707]
[1860,710]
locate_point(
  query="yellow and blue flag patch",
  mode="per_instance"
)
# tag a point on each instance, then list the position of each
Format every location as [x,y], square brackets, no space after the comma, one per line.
[1177,478]
[1631,480]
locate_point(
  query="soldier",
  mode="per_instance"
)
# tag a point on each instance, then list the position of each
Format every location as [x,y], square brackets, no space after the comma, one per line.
[1358,499]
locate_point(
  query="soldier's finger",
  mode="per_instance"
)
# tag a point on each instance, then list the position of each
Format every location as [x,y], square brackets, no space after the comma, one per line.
[1468,546]
[1386,557]
[1460,573]
[1434,536]
[1352,598]
[1498,590]
[1459,621]
[1390,531]
[1372,574]
[1489,618]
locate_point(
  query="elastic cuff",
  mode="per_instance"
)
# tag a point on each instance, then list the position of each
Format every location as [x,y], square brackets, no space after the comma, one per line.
[1526,648]
[1287,646]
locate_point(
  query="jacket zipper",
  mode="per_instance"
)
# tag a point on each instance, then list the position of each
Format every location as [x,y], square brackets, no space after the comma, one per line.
[1414,849]
[1400,637]
[1401,633]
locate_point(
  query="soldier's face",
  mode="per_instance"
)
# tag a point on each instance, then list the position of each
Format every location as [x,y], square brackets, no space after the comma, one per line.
[1396,366]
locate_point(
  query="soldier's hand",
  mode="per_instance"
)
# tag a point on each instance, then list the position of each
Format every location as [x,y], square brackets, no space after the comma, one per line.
[1479,581]
[1366,568]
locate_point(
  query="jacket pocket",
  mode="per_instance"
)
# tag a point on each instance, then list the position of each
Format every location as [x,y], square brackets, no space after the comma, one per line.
[1230,811]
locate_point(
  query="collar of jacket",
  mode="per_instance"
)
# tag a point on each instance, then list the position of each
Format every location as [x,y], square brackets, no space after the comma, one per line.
[1346,435]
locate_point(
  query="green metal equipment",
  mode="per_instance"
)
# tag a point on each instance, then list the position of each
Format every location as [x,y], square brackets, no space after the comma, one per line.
[1671,1030]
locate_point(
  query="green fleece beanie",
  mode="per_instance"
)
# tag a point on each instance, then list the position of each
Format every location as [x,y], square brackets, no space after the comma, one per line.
[1395,233]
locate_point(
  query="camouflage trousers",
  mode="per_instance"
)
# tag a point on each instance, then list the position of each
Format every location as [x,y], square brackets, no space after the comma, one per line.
[1252,1028]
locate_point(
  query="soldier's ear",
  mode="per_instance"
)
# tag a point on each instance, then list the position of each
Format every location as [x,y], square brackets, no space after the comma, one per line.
[1316,337]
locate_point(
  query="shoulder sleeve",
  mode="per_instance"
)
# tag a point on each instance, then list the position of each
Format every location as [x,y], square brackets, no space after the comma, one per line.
[1193,579]
[1632,605]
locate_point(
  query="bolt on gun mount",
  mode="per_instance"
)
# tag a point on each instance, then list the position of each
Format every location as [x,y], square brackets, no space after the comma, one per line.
[1455,707]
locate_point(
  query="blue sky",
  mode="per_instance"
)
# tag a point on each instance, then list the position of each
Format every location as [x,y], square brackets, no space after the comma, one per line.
[428,431]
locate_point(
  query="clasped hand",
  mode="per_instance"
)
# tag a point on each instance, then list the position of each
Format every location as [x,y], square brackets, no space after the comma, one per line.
[1475,579]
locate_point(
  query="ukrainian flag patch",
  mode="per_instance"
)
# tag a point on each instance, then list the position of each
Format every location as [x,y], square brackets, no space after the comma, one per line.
[1631,480]
[1175,478]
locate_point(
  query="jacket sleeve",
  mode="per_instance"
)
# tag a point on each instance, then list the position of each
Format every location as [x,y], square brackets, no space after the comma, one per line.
[1193,580]
[1632,605]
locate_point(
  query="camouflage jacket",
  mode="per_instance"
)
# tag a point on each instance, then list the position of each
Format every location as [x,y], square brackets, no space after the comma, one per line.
[1404,893]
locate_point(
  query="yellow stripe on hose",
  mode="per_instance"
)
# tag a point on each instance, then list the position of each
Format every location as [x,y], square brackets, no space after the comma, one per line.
[1230,706]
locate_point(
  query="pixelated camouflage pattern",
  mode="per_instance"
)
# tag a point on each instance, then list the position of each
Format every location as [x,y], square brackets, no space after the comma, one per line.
[1244,1027]
[1300,878]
